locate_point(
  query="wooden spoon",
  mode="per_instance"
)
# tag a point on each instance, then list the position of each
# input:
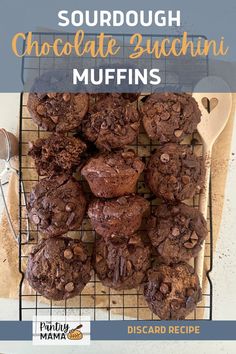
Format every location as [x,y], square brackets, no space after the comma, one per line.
[215,108]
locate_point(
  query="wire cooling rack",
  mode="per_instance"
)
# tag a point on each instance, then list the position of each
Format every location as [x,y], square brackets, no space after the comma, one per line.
[96,301]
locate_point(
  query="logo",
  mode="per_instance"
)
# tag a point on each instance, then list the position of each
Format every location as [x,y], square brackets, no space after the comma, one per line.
[75,334]
[61,330]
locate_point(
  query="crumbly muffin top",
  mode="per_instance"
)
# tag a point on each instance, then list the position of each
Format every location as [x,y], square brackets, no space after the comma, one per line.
[172,292]
[174,172]
[169,116]
[176,232]
[59,268]
[57,154]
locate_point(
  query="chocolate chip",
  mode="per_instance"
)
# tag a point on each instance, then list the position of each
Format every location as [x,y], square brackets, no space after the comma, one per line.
[164,288]
[188,110]
[188,172]
[183,219]
[60,286]
[114,237]
[128,266]
[175,210]
[185,237]
[190,245]
[111,162]
[99,258]
[109,121]
[122,200]
[70,219]
[116,274]
[175,232]
[176,107]
[172,180]
[58,223]
[128,154]
[52,94]
[36,219]
[44,224]
[119,130]
[78,251]
[165,115]
[175,305]
[133,240]
[55,119]
[190,292]
[152,112]
[161,247]
[69,287]
[123,131]
[70,207]
[185,179]
[178,133]
[190,303]
[190,163]
[122,266]
[76,274]
[66,97]
[135,126]
[41,110]
[68,254]
[165,158]
[194,236]
[159,107]
[104,125]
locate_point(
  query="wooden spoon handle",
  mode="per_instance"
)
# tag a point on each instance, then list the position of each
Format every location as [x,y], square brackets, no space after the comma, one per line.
[203,207]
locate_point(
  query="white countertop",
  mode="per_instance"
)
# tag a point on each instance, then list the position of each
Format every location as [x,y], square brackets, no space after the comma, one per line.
[223,274]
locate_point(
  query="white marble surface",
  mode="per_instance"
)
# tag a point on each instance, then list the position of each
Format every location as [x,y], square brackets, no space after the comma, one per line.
[223,275]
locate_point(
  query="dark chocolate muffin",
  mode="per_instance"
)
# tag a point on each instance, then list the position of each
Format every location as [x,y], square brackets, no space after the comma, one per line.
[57,205]
[56,154]
[169,116]
[113,174]
[172,292]
[175,173]
[121,265]
[112,122]
[177,232]
[116,218]
[60,112]
[58,268]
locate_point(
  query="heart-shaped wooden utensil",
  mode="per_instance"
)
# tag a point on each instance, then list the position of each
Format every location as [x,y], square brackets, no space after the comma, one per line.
[215,108]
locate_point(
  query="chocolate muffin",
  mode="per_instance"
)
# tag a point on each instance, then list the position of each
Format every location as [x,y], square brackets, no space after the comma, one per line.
[117,218]
[121,265]
[112,122]
[57,205]
[58,268]
[56,154]
[60,112]
[172,292]
[175,173]
[176,232]
[113,174]
[169,116]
